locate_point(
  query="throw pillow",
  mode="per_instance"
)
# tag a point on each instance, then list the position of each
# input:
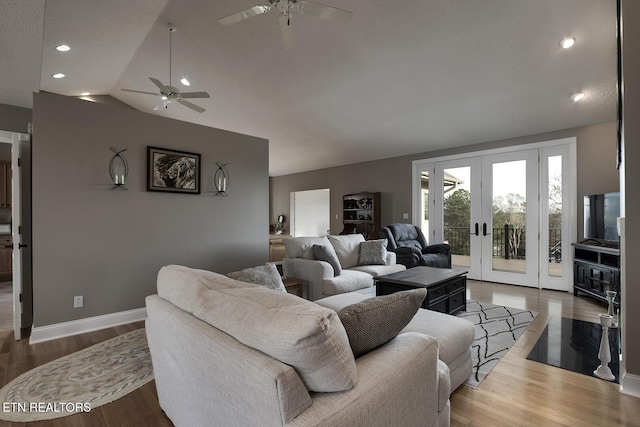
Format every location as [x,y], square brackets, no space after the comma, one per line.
[328,254]
[265,275]
[373,252]
[374,321]
[347,248]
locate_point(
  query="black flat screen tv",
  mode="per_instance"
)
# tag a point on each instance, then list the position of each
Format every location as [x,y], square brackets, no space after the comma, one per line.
[601,212]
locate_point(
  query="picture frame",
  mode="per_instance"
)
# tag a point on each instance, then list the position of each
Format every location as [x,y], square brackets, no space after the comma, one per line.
[173,171]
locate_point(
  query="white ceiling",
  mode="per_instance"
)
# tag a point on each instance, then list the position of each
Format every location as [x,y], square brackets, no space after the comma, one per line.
[400,78]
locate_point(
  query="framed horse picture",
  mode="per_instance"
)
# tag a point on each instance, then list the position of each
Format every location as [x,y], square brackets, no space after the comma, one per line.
[173,171]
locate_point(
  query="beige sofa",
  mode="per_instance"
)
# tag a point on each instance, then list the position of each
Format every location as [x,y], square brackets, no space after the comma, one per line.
[319,277]
[235,354]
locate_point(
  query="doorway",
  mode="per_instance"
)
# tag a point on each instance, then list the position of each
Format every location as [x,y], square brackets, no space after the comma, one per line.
[15,311]
[310,212]
[505,213]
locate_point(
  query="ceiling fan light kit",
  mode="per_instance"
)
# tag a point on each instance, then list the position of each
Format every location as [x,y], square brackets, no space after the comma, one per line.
[170,93]
[285,7]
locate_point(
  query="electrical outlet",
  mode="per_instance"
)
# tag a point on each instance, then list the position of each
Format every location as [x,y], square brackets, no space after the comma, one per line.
[405,216]
[78,301]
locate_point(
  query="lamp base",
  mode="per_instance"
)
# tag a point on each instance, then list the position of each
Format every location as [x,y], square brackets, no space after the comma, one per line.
[604,373]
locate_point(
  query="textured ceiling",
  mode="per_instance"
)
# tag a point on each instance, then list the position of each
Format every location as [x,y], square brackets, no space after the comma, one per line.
[400,78]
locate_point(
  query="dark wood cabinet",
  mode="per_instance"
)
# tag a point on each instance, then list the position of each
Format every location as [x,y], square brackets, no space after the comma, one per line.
[361,214]
[596,270]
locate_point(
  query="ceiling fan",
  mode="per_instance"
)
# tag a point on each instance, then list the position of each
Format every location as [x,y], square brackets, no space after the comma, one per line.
[286,6]
[170,93]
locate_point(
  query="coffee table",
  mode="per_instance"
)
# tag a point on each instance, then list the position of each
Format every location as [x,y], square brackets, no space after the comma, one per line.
[446,288]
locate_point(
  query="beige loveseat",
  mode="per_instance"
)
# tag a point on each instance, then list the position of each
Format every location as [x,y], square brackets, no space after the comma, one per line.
[229,353]
[320,278]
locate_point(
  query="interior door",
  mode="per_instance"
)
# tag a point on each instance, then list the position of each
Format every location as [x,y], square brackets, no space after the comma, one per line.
[509,220]
[16,193]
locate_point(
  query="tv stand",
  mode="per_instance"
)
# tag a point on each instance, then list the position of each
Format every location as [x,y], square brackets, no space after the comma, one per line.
[596,270]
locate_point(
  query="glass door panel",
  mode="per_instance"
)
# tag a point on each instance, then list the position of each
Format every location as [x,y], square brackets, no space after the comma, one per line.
[509,214]
[457,214]
[554,215]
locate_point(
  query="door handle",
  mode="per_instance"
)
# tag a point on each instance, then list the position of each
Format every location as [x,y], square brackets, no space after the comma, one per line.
[484,229]
[20,246]
[477,228]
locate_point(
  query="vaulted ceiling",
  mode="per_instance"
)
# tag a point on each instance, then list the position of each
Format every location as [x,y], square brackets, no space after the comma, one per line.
[399,78]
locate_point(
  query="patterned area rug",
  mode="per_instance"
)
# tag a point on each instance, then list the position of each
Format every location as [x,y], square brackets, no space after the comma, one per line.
[79,382]
[497,329]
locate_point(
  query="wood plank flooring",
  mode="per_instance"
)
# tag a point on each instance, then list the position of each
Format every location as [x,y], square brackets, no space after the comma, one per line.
[518,392]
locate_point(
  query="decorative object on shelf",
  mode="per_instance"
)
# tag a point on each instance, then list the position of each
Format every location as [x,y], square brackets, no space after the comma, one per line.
[118,168]
[361,214]
[603,371]
[611,296]
[173,171]
[278,226]
[221,179]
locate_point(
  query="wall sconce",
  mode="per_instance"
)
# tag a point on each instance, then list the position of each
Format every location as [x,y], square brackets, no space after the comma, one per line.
[221,179]
[118,168]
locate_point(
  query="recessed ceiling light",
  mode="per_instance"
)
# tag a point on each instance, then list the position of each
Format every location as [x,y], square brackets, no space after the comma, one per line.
[85,94]
[185,82]
[567,42]
[164,98]
[58,75]
[576,96]
[63,48]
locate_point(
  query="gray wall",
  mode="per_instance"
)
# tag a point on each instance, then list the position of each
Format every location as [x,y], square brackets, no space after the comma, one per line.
[14,119]
[631,178]
[108,245]
[597,173]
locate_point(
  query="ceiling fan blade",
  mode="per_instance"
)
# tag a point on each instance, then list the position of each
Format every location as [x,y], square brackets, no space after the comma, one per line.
[163,88]
[195,95]
[244,14]
[323,11]
[140,91]
[194,107]
[164,104]
[288,33]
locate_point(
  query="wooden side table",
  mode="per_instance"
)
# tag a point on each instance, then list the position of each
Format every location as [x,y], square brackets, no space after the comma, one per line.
[293,285]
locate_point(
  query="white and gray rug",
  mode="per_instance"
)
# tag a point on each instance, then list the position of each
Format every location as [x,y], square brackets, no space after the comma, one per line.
[497,329]
[80,381]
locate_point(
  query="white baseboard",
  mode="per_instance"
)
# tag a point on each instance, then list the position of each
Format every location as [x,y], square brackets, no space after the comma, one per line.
[630,384]
[81,326]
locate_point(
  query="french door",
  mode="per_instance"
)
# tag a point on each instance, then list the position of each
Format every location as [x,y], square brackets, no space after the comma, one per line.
[505,214]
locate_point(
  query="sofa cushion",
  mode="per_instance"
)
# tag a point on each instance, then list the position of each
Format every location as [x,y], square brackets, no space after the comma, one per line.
[454,334]
[374,321]
[347,248]
[328,254]
[304,335]
[347,281]
[264,275]
[302,247]
[379,270]
[373,252]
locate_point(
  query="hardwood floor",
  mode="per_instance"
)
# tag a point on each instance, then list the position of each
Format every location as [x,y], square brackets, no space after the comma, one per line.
[518,392]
